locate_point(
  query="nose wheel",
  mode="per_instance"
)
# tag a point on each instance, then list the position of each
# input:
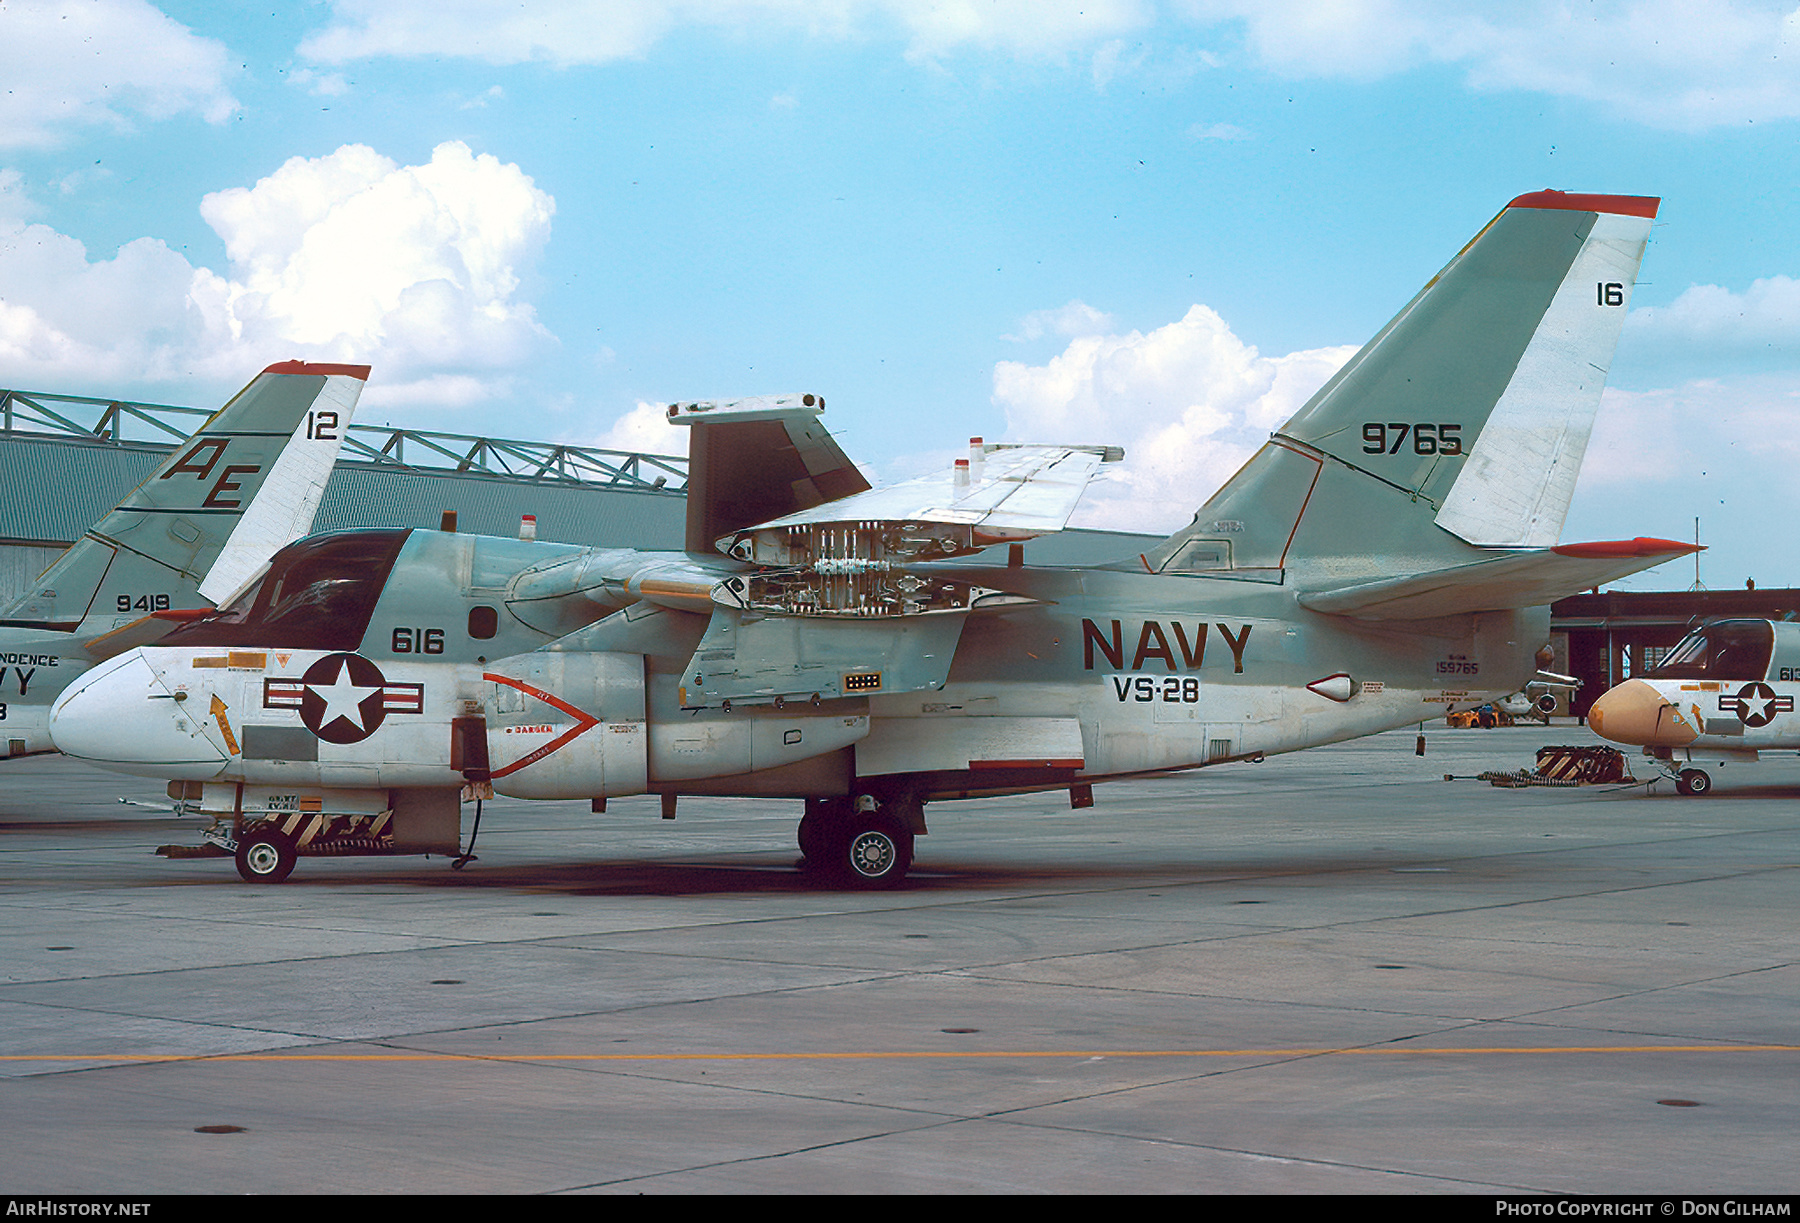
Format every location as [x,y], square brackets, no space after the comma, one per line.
[1693,782]
[265,856]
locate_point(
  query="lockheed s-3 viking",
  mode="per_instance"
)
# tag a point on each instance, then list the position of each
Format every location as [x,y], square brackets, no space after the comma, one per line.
[1389,554]
[1725,693]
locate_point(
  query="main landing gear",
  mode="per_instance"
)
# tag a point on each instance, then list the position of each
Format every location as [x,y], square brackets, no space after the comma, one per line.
[860,842]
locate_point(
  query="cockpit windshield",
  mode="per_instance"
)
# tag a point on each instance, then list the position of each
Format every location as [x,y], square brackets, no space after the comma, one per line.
[1723,650]
[318,595]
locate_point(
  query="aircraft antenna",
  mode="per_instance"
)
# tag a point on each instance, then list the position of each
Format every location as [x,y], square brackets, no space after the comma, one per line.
[1698,584]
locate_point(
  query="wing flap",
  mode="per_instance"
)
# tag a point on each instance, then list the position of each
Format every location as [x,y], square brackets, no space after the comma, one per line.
[1513,580]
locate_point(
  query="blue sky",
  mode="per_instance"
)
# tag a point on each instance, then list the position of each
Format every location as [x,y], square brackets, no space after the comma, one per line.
[1154,224]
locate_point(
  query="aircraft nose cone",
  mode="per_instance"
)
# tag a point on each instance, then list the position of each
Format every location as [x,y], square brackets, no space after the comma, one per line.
[1635,713]
[122,716]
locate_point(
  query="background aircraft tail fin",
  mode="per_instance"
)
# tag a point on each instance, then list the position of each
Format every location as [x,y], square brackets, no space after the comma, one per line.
[1461,426]
[277,438]
[754,460]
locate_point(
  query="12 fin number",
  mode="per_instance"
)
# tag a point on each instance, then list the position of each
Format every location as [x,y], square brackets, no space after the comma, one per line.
[1609,293]
[1426,438]
[322,426]
[143,603]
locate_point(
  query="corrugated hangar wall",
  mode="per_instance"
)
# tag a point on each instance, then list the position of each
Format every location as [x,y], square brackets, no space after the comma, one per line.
[54,488]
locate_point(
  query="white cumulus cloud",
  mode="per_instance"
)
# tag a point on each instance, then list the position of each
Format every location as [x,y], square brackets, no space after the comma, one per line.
[66,65]
[1668,63]
[1076,318]
[1720,449]
[568,32]
[1703,425]
[346,257]
[1765,317]
[1189,401]
[645,429]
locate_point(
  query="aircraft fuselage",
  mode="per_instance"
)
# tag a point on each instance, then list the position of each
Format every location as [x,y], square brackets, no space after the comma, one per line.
[35,666]
[1106,673]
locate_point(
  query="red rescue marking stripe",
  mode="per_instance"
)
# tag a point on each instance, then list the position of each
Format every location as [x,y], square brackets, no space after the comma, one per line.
[584,722]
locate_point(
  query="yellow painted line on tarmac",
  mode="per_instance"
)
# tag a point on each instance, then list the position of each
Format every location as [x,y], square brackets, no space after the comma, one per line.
[903,1054]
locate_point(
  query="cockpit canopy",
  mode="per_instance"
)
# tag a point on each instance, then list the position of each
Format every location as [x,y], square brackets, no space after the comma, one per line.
[1722,650]
[318,595]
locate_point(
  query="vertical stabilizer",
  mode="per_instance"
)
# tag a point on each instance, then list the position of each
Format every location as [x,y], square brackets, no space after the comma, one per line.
[201,513]
[282,510]
[1461,426]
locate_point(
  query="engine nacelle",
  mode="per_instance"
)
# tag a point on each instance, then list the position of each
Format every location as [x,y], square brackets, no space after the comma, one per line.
[747,739]
[573,725]
[566,725]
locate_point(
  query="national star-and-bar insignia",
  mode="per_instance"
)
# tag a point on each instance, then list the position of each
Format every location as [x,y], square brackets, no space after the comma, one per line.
[343,698]
[1755,704]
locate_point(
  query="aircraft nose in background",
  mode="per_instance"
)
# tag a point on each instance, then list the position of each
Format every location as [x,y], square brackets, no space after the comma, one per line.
[1636,713]
[121,714]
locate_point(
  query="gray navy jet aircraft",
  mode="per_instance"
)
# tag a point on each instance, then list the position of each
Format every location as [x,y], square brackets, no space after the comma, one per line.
[1388,555]
[199,530]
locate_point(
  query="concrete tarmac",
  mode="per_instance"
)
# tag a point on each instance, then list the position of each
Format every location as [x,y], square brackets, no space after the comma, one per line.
[1331,972]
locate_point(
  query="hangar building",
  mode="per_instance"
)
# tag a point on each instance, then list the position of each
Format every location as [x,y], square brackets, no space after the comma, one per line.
[1606,637]
[65,460]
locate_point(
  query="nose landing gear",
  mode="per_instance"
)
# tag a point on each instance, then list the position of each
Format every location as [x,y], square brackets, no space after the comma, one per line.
[1693,782]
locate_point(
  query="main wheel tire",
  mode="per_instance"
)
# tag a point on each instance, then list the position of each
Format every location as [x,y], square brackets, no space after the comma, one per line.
[822,823]
[265,856]
[875,851]
[1694,782]
[812,838]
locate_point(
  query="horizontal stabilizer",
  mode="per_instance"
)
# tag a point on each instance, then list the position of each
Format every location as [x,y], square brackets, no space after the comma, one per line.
[1512,580]
[145,630]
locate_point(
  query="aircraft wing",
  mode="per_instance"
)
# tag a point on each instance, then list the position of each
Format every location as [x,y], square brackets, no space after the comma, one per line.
[1002,492]
[832,606]
[1516,579]
[753,459]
